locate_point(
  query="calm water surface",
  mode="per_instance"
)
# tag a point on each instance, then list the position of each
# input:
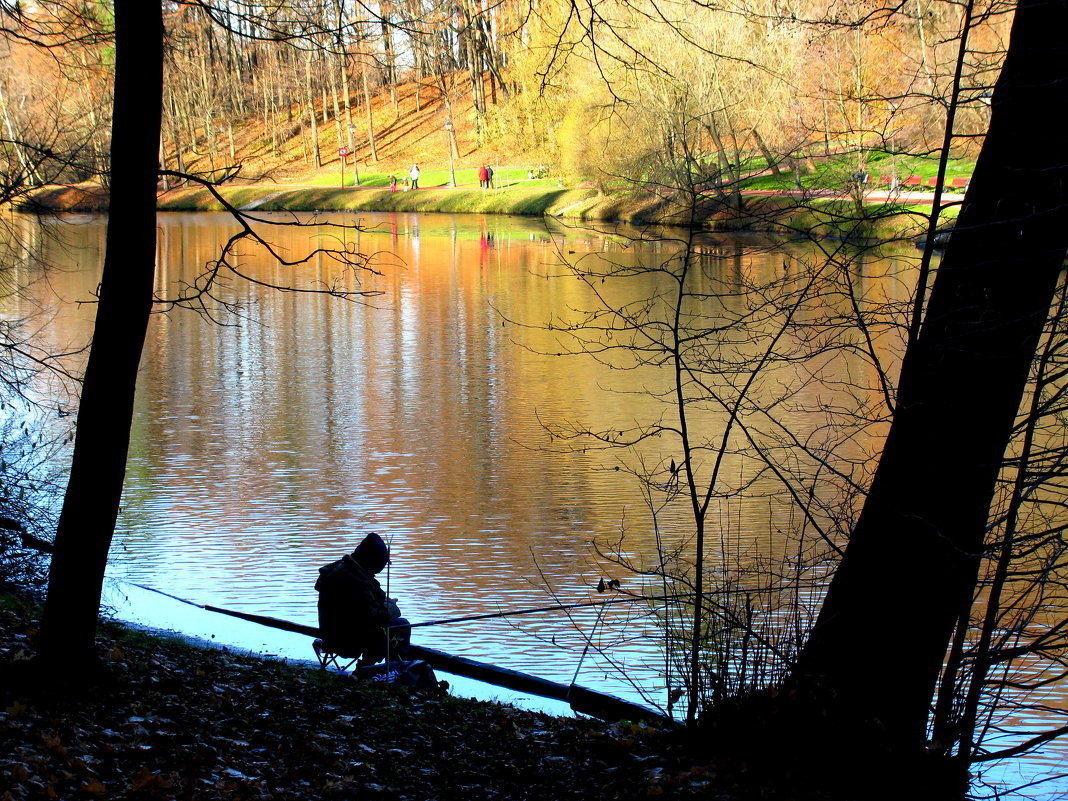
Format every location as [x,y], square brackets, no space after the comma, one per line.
[269,444]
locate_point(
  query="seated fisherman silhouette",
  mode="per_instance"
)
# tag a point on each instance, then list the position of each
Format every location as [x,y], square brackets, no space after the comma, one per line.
[354,612]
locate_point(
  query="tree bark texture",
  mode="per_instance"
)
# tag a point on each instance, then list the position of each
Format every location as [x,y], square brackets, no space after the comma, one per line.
[370,115]
[309,98]
[913,558]
[91,503]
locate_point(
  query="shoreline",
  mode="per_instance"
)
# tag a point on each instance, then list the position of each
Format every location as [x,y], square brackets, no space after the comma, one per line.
[144,609]
[886,217]
[159,718]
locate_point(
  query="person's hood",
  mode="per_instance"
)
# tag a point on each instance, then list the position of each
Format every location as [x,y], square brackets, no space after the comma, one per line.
[372,553]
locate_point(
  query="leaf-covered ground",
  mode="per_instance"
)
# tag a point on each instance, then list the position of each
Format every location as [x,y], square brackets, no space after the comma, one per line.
[171,720]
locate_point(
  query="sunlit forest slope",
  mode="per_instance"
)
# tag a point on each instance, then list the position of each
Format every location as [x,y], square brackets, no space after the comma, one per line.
[618,90]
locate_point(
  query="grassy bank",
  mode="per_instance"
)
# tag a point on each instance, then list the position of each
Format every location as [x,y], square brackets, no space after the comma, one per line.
[837,218]
[521,201]
[776,214]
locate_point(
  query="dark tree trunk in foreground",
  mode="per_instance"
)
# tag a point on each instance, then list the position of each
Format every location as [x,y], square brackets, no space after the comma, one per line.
[912,562]
[91,504]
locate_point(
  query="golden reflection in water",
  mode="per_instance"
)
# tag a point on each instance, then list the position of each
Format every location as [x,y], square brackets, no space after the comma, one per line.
[266,444]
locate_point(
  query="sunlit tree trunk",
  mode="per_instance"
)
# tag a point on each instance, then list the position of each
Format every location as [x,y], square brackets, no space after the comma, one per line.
[91,105]
[343,65]
[369,113]
[389,57]
[163,163]
[26,164]
[337,107]
[271,97]
[773,162]
[490,54]
[91,503]
[310,101]
[173,129]
[237,75]
[346,100]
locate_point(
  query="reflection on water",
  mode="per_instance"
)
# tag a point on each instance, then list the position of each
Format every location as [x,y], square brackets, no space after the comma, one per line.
[268,445]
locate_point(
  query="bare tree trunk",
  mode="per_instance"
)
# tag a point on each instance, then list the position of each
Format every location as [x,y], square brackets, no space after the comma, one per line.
[95,150]
[470,44]
[172,130]
[310,96]
[925,66]
[343,64]
[389,57]
[163,163]
[962,381]
[209,127]
[268,129]
[826,129]
[24,163]
[337,109]
[773,162]
[206,98]
[238,76]
[490,56]
[370,115]
[727,169]
[272,97]
[98,466]
[446,97]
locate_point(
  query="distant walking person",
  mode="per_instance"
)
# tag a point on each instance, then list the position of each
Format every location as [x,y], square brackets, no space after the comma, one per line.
[392,182]
[483,177]
[413,173]
[489,177]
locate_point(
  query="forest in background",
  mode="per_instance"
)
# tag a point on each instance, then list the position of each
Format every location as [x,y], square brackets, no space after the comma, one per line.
[601,92]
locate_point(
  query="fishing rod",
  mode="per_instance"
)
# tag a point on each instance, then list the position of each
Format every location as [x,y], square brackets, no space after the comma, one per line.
[554,608]
[313,631]
[263,620]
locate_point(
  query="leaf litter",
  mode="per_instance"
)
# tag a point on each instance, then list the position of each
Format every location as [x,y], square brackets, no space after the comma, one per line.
[177,721]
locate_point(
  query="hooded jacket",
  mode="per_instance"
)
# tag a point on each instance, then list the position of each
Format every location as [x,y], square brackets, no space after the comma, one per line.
[353,609]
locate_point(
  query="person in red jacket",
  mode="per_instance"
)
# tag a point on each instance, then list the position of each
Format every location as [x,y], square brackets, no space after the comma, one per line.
[483,177]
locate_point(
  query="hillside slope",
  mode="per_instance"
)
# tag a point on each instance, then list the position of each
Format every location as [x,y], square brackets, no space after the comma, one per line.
[412,130]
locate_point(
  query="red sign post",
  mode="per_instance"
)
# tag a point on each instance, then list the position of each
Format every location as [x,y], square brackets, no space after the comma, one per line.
[343,151]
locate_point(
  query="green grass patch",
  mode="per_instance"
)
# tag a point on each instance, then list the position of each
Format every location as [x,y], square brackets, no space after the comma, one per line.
[835,171]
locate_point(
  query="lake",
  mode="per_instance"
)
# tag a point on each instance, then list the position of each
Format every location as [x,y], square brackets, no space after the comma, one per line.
[444,409]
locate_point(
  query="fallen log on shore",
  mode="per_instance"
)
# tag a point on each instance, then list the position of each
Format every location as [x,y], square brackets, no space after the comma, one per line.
[582,699]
